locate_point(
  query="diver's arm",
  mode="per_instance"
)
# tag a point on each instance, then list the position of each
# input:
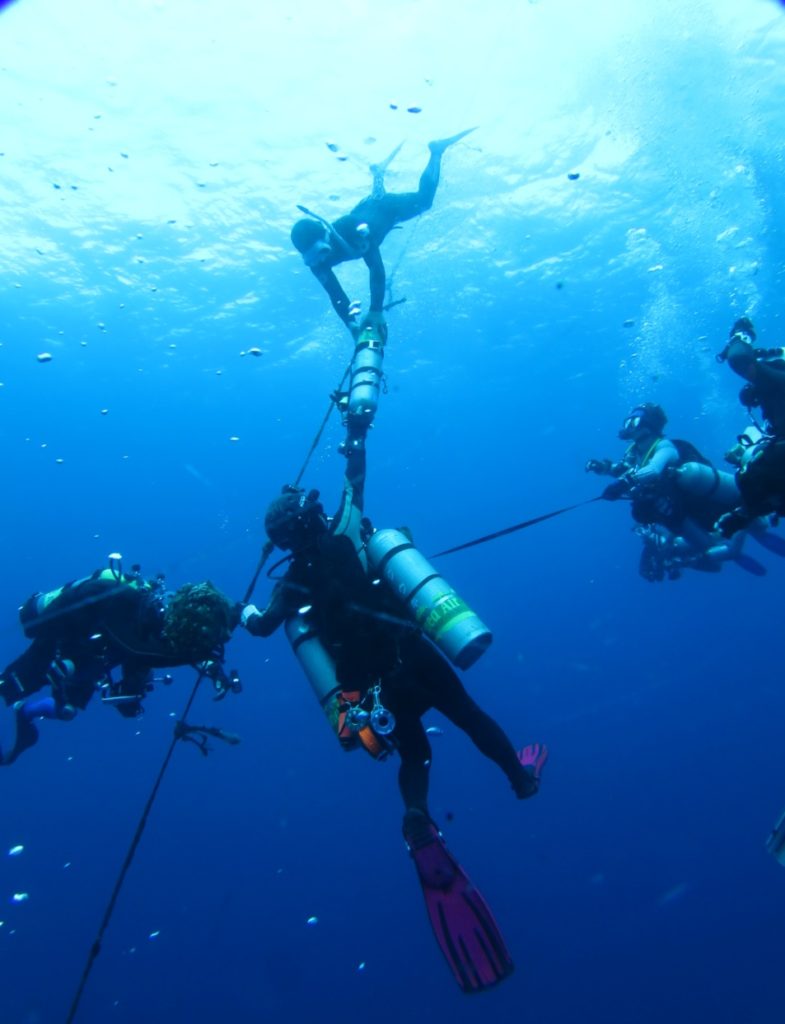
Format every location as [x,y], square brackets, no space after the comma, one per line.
[279,608]
[741,359]
[338,296]
[604,467]
[773,377]
[350,512]
[378,282]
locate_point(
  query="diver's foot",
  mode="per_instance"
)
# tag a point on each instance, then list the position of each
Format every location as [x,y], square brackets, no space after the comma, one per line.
[418,829]
[532,759]
[439,145]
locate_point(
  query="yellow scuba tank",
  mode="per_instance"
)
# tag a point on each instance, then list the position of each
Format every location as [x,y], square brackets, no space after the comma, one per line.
[366,377]
[441,614]
[707,482]
[43,608]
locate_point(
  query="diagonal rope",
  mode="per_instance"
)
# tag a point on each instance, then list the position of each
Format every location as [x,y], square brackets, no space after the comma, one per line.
[268,546]
[518,526]
[95,949]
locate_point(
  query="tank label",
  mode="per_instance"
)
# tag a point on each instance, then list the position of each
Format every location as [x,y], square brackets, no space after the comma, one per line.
[447,613]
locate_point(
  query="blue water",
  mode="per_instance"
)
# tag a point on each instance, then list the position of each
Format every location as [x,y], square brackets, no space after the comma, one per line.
[153,154]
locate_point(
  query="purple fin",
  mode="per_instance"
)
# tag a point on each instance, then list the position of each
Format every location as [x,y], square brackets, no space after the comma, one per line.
[462,922]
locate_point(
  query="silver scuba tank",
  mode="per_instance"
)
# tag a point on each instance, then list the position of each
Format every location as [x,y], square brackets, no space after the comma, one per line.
[355,728]
[707,482]
[441,614]
[366,377]
[314,660]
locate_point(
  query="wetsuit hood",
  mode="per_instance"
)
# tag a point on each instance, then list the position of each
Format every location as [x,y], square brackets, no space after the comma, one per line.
[294,519]
[647,418]
[306,233]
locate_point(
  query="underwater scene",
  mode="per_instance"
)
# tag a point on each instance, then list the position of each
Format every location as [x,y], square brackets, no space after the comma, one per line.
[392,402]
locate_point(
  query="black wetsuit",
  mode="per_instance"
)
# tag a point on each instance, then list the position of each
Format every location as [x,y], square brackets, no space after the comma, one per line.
[761,480]
[370,638]
[380,213]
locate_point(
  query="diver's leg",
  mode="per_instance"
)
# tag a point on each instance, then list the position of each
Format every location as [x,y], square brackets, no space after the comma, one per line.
[448,695]
[415,754]
[28,673]
[710,547]
[400,206]
[429,180]
[26,712]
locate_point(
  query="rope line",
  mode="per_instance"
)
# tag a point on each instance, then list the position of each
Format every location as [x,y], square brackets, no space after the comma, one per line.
[95,949]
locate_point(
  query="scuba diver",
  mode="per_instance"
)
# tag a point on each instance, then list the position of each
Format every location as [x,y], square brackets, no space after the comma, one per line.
[359,234]
[365,618]
[676,496]
[761,476]
[85,629]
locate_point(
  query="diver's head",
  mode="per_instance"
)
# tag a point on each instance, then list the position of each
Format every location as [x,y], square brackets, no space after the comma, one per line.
[198,620]
[294,520]
[312,240]
[646,420]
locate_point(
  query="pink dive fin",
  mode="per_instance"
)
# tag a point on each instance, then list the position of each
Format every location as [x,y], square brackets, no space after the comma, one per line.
[461,920]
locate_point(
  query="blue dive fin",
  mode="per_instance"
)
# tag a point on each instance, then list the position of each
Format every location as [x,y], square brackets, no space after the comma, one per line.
[775,844]
[770,540]
[750,565]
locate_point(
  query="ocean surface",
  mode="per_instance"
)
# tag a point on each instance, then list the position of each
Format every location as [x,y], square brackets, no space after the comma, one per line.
[620,204]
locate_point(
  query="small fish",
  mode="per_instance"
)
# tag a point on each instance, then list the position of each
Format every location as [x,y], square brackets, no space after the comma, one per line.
[628,323]
[332,146]
[573,175]
[255,351]
[20,897]
[434,730]
[312,921]
[15,851]
[414,110]
[44,357]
